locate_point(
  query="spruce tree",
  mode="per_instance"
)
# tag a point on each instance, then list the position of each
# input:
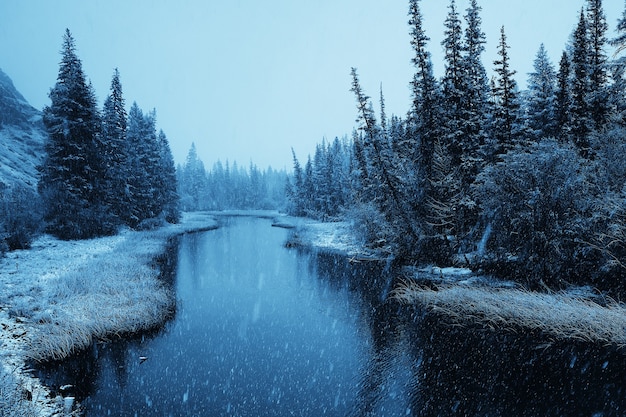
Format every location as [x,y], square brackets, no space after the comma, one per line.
[143,184]
[597,60]
[563,103]
[114,120]
[169,200]
[617,103]
[541,99]
[453,86]
[425,116]
[580,89]
[475,90]
[506,128]
[72,182]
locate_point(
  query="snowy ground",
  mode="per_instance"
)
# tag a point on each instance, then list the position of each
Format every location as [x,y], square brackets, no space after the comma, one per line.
[336,237]
[52,298]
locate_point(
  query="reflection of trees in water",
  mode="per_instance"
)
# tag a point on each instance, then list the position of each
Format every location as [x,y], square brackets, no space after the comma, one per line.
[421,365]
[387,376]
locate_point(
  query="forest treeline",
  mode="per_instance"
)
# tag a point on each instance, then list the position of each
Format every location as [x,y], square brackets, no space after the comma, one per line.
[524,184]
[229,187]
[102,169]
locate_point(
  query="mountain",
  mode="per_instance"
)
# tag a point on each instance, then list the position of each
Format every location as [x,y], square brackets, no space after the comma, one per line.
[22,137]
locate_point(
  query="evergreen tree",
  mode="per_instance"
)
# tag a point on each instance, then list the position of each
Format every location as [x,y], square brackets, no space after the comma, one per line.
[386,187]
[617,103]
[72,182]
[580,112]
[114,120]
[475,92]
[453,86]
[168,196]
[193,181]
[144,183]
[597,60]
[506,127]
[541,99]
[563,103]
[425,116]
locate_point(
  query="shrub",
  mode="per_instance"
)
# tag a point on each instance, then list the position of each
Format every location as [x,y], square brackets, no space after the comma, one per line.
[20,217]
[540,205]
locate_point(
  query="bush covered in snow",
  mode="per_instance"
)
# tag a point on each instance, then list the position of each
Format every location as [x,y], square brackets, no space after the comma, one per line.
[539,202]
[20,217]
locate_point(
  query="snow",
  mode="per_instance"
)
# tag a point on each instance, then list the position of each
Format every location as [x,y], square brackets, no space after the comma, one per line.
[336,237]
[51,297]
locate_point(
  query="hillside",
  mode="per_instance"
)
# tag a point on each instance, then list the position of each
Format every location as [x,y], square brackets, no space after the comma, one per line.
[22,136]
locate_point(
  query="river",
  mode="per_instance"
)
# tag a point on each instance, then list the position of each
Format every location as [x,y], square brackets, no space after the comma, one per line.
[265,330]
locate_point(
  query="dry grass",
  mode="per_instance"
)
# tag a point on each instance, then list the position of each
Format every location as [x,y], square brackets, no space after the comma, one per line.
[560,315]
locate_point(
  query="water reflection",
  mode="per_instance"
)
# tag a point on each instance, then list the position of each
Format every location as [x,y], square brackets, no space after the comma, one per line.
[262,330]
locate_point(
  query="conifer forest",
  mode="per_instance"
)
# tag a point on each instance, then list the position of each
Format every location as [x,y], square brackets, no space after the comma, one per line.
[522,184]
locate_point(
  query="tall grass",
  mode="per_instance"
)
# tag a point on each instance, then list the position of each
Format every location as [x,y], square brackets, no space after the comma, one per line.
[560,315]
[113,295]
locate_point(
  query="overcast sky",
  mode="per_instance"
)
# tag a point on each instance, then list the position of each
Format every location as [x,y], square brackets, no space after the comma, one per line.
[246,80]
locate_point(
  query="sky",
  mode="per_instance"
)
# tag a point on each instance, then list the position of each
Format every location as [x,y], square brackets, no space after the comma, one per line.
[247,80]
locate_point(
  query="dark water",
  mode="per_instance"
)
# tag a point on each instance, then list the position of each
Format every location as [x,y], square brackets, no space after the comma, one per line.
[263,330]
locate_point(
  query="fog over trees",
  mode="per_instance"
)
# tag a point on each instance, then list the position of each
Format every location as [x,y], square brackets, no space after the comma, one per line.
[522,184]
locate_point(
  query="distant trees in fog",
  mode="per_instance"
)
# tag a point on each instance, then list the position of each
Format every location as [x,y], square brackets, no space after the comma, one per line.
[227,186]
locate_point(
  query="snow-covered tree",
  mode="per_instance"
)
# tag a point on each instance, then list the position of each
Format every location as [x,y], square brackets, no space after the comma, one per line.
[541,98]
[425,117]
[193,181]
[72,182]
[563,103]
[597,60]
[168,184]
[475,92]
[580,89]
[114,120]
[617,101]
[506,124]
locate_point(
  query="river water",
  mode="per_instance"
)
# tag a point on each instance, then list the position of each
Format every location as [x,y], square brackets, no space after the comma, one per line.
[265,330]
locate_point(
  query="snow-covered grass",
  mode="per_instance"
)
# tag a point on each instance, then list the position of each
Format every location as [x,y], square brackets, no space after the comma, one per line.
[560,315]
[336,237]
[58,296]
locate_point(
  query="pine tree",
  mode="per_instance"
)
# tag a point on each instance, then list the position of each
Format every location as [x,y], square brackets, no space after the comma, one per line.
[425,116]
[563,103]
[541,99]
[506,127]
[143,163]
[168,192]
[453,86]
[114,120]
[475,90]
[597,59]
[72,182]
[618,74]
[581,121]
[193,180]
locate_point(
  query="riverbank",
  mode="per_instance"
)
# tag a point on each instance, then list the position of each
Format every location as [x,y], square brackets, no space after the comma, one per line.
[460,297]
[59,296]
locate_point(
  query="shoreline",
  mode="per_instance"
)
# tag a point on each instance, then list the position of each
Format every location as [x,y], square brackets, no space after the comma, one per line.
[460,297]
[52,299]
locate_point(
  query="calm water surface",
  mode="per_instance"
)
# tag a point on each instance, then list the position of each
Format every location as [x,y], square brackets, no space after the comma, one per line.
[263,330]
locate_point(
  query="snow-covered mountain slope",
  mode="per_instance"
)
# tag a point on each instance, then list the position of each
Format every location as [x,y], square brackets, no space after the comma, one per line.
[22,137]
